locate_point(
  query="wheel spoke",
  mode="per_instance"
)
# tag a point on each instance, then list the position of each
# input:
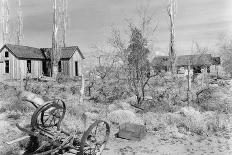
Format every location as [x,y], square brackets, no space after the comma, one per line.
[51,121]
[54,121]
[95,138]
[46,119]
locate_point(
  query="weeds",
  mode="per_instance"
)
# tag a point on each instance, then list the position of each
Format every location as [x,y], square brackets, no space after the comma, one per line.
[190,120]
[14,115]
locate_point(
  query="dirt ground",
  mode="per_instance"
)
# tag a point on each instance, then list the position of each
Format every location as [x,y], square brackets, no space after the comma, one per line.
[158,145]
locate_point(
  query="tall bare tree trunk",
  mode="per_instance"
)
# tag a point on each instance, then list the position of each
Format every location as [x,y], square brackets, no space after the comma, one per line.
[19,36]
[59,33]
[189,83]
[64,21]
[5,21]
[172,53]
[56,51]
[19,24]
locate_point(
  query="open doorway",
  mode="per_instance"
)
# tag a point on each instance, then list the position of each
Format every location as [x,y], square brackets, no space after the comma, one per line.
[46,68]
[76,68]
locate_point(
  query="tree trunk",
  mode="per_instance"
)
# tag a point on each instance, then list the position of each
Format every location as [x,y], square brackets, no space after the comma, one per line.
[172,53]
[82,91]
[5,21]
[54,71]
[189,85]
[20,24]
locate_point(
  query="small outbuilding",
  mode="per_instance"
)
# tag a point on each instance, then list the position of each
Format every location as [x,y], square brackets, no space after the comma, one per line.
[18,61]
[196,62]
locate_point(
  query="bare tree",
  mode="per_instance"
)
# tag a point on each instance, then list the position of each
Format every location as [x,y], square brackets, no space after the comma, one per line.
[225,51]
[19,24]
[19,34]
[56,47]
[64,18]
[58,33]
[171,9]
[134,53]
[5,21]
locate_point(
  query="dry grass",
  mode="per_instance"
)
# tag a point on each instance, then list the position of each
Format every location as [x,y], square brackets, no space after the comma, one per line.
[123,116]
[189,120]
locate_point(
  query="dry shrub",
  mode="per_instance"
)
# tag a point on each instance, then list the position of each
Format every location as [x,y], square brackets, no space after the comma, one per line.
[192,120]
[124,116]
[14,115]
[216,99]
[217,121]
[124,105]
[14,104]
[75,108]
[119,105]
[72,123]
[189,120]
[75,90]
[153,121]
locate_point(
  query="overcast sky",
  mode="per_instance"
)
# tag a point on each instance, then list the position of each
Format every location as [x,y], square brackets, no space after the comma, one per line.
[90,22]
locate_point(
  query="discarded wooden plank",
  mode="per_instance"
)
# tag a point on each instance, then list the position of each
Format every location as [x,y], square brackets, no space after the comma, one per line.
[18,139]
[36,100]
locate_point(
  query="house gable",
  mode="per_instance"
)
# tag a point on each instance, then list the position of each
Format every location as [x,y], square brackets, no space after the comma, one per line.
[2,50]
[24,52]
[66,52]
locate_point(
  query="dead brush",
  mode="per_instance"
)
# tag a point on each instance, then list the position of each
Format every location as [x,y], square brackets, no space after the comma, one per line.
[153,121]
[189,120]
[123,116]
[14,115]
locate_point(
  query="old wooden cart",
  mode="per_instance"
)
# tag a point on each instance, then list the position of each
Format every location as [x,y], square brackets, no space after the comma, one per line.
[47,136]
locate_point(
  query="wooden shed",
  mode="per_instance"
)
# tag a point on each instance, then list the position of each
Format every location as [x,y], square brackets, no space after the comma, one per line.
[196,62]
[70,61]
[18,61]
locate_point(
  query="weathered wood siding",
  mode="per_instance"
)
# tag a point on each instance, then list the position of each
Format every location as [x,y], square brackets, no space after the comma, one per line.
[18,68]
[75,57]
[12,63]
[65,67]
[36,68]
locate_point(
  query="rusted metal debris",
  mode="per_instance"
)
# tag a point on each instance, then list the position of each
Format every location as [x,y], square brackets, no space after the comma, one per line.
[131,131]
[47,137]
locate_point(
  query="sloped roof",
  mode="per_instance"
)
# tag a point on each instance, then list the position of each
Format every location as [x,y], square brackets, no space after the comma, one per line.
[201,59]
[183,60]
[160,61]
[23,52]
[26,52]
[66,53]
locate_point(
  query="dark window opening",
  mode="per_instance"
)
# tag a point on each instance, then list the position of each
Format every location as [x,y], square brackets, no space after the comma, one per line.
[208,69]
[59,66]
[7,67]
[76,68]
[196,69]
[6,54]
[28,66]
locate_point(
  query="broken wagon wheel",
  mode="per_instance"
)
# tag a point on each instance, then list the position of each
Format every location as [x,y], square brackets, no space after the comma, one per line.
[49,115]
[95,138]
[53,116]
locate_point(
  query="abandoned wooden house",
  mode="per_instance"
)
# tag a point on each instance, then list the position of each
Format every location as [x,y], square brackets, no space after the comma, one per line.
[18,61]
[196,62]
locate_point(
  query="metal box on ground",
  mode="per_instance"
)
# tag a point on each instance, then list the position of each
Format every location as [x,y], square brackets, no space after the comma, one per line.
[131,131]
